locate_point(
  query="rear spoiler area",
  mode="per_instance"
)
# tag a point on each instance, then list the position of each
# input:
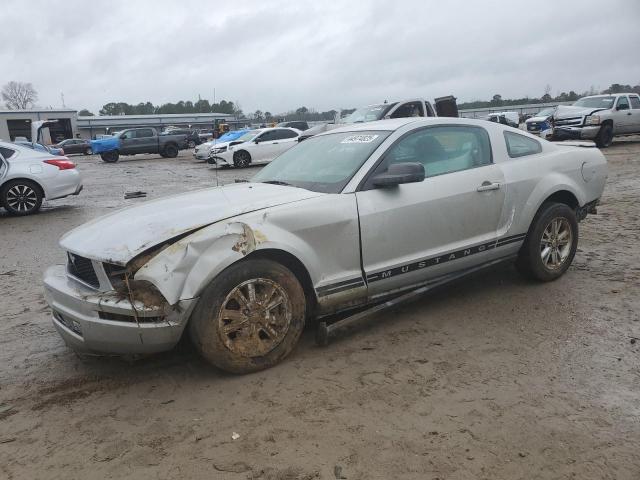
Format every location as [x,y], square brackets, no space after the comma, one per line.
[577,143]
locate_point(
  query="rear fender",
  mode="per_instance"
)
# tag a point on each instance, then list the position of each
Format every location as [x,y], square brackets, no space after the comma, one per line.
[550,185]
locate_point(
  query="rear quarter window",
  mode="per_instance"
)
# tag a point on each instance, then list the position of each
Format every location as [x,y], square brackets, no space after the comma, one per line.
[6,153]
[521,146]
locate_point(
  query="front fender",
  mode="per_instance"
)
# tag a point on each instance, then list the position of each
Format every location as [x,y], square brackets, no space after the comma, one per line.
[323,237]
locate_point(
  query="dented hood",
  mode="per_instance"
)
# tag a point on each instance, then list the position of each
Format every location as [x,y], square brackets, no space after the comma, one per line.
[120,236]
[569,111]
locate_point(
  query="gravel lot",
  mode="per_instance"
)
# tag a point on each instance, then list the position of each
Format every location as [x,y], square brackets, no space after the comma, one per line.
[494,378]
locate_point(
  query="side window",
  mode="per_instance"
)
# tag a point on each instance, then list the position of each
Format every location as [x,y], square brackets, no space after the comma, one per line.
[267,136]
[410,109]
[6,153]
[144,133]
[635,102]
[128,135]
[441,150]
[286,133]
[519,145]
[623,103]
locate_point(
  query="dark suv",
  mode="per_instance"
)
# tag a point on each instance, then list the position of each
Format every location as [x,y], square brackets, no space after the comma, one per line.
[75,145]
[191,136]
[298,125]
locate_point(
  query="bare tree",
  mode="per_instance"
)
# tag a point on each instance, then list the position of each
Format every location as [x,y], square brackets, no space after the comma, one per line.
[19,95]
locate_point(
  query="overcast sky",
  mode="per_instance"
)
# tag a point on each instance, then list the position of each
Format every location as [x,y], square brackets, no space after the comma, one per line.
[278,55]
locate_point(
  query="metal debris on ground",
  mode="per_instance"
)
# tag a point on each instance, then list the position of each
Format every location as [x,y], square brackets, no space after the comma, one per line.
[138,194]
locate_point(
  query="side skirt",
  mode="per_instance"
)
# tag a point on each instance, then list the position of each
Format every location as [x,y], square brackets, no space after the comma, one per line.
[325,331]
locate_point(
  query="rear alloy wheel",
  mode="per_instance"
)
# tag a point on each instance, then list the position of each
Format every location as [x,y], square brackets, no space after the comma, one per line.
[550,244]
[605,136]
[250,317]
[171,151]
[241,159]
[21,197]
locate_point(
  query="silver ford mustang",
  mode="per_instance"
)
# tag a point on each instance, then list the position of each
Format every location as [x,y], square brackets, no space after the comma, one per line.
[343,220]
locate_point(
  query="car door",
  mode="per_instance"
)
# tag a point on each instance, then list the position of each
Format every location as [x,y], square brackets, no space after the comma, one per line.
[634,118]
[417,232]
[128,142]
[285,139]
[622,116]
[146,141]
[263,147]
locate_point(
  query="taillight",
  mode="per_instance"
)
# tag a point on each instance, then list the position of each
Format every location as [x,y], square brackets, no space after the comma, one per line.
[65,164]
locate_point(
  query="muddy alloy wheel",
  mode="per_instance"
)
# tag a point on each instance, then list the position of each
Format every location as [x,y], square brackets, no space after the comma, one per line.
[250,317]
[21,197]
[551,243]
[254,317]
[241,159]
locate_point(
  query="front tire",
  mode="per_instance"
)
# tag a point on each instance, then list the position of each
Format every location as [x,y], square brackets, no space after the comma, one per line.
[21,197]
[250,317]
[551,243]
[241,159]
[605,136]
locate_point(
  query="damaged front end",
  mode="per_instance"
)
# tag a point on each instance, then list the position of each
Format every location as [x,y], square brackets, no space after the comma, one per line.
[99,307]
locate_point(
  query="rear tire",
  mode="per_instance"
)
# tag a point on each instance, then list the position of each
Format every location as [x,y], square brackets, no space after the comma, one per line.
[250,317]
[241,159]
[605,136]
[171,151]
[551,243]
[21,197]
[88,151]
[110,157]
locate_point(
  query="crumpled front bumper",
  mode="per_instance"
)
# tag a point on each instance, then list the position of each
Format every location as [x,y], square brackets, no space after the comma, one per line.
[220,161]
[576,133]
[96,322]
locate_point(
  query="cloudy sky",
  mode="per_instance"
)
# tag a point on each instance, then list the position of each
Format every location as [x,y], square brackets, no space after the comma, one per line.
[278,55]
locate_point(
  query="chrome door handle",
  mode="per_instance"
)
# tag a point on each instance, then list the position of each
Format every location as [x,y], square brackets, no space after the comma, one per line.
[486,186]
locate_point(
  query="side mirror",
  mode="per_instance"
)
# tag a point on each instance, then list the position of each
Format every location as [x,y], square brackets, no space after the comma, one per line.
[399,173]
[256,141]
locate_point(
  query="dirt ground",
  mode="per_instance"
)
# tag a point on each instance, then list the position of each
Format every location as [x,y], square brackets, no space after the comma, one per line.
[493,378]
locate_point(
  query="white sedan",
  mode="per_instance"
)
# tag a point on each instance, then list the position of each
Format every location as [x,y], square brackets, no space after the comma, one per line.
[28,176]
[258,146]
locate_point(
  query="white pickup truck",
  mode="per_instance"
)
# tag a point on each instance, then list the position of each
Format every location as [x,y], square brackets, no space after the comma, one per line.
[415,107]
[599,118]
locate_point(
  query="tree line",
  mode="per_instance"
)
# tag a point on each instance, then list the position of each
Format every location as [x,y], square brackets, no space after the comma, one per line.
[21,95]
[571,96]
[147,108]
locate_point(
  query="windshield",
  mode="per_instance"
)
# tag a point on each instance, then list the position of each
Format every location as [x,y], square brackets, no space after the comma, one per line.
[248,136]
[595,102]
[368,114]
[324,163]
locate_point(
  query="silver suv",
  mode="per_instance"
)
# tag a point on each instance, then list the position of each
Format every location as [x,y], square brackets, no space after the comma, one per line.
[598,118]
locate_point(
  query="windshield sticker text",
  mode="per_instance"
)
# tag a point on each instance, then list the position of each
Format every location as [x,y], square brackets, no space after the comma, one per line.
[359,139]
